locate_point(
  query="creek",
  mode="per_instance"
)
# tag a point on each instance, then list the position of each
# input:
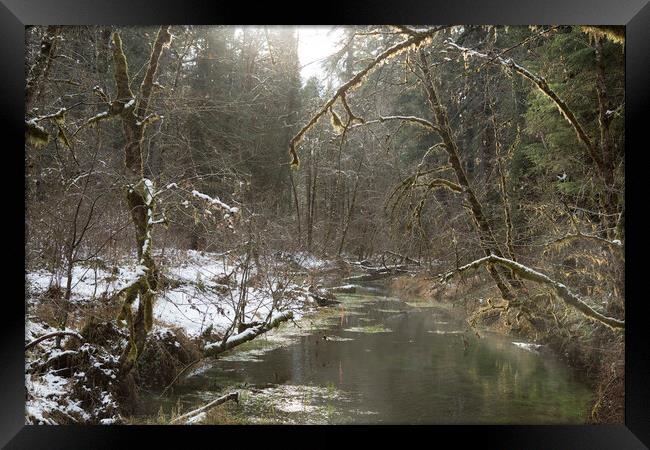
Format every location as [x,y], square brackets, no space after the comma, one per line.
[377,359]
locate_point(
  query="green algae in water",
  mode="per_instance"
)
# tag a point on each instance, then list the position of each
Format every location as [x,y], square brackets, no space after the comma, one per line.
[294,404]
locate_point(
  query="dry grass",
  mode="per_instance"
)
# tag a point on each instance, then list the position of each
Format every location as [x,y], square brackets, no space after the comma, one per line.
[609,407]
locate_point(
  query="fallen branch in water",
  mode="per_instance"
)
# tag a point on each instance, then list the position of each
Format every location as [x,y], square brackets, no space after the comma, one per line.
[561,290]
[51,335]
[376,273]
[251,333]
[232,396]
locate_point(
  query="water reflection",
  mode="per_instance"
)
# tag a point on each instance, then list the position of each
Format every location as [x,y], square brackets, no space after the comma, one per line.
[424,369]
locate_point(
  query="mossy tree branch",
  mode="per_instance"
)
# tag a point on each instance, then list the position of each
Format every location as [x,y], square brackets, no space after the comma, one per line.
[560,289]
[487,240]
[415,39]
[408,119]
[140,192]
[162,40]
[614,245]
[543,86]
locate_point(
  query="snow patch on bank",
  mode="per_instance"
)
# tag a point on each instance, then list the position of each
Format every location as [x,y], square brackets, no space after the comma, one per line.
[528,346]
[202,295]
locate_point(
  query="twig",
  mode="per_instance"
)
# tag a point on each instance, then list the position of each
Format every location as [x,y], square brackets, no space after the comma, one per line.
[232,396]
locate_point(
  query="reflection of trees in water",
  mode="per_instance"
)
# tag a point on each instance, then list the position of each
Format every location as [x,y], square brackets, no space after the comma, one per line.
[422,373]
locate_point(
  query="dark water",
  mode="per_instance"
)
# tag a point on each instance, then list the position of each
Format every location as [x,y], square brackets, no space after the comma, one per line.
[403,364]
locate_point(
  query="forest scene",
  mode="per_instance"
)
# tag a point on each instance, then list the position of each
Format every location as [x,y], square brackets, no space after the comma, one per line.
[324,225]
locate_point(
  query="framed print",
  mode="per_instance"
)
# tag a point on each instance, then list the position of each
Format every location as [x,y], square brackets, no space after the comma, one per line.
[407,218]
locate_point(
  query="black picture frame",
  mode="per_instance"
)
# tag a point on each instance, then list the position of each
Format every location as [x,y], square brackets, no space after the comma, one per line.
[634,14]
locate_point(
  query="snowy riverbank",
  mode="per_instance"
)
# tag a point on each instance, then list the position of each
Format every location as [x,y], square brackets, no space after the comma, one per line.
[199,300]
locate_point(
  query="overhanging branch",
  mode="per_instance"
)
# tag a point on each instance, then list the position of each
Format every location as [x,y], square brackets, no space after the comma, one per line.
[415,39]
[561,290]
[409,119]
[543,86]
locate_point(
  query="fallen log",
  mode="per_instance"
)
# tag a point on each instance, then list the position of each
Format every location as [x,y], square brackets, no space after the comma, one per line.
[51,335]
[561,290]
[248,334]
[232,396]
[322,296]
[322,301]
[404,258]
[376,273]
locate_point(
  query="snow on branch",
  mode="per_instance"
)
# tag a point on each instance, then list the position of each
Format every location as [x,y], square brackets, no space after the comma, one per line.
[561,290]
[96,118]
[216,202]
[543,86]
[149,118]
[191,416]
[248,334]
[35,134]
[59,115]
[415,39]
[51,335]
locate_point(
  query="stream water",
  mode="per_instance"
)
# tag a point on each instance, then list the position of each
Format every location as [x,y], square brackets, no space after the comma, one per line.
[376,359]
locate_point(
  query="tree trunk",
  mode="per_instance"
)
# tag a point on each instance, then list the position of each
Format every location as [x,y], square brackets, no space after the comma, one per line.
[38,71]
[609,198]
[486,238]
[348,218]
[140,194]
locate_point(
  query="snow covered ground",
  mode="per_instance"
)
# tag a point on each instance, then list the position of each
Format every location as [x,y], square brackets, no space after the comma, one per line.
[207,294]
[203,294]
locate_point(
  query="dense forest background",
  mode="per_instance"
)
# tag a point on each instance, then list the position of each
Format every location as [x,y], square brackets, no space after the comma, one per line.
[439,146]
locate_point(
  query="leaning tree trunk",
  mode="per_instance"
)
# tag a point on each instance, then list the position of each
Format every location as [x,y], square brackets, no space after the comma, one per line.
[486,237]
